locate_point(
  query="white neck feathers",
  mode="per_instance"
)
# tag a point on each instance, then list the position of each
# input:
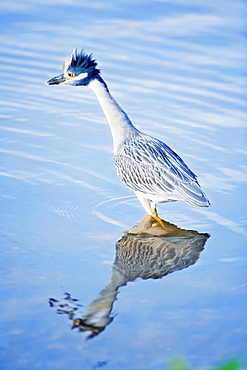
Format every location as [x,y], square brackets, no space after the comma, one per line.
[120,124]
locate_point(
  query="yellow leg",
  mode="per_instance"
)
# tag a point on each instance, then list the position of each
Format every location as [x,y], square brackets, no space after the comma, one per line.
[160,221]
[156,217]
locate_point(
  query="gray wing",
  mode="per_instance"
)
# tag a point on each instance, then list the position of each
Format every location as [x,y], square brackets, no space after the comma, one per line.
[148,165]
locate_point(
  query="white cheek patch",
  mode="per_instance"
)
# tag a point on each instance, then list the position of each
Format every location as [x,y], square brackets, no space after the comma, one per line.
[80,76]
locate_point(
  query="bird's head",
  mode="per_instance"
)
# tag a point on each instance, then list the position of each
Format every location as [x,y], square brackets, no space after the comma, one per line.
[78,70]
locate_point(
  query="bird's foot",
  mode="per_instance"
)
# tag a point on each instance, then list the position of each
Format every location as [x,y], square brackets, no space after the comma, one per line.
[160,221]
[155,226]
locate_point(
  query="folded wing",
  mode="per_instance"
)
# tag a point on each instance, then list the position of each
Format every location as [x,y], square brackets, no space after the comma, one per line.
[148,165]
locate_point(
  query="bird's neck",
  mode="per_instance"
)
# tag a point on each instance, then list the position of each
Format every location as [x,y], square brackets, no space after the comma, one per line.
[120,124]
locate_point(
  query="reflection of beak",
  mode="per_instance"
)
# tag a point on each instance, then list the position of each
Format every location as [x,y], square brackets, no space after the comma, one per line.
[60,79]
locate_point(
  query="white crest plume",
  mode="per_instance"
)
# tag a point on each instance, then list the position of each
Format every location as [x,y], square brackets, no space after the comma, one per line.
[68,61]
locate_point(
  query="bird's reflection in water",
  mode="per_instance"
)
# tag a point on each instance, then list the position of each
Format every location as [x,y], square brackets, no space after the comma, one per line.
[145,251]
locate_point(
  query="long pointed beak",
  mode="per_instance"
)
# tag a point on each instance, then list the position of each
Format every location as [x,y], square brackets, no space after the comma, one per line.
[60,79]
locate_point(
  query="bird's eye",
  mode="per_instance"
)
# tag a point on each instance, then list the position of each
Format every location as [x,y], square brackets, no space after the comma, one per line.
[70,74]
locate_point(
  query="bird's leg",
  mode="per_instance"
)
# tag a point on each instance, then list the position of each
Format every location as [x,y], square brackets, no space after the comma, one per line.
[153,209]
[159,221]
[155,215]
[150,208]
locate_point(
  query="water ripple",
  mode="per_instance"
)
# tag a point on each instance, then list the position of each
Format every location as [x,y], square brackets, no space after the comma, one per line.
[26,131]
[64,208]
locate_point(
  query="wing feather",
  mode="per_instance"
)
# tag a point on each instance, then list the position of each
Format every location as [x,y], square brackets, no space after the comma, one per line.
[148,165]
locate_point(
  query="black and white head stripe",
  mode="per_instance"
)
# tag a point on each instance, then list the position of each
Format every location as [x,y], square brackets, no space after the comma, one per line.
[79,60]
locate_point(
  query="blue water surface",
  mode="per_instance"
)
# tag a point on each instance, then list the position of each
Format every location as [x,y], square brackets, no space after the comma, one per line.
[178,68]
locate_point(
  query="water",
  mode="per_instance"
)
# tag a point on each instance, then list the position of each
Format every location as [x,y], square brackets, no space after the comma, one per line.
[177,69]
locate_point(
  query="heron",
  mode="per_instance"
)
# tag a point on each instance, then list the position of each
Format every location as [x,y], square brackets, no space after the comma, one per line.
[146,165]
